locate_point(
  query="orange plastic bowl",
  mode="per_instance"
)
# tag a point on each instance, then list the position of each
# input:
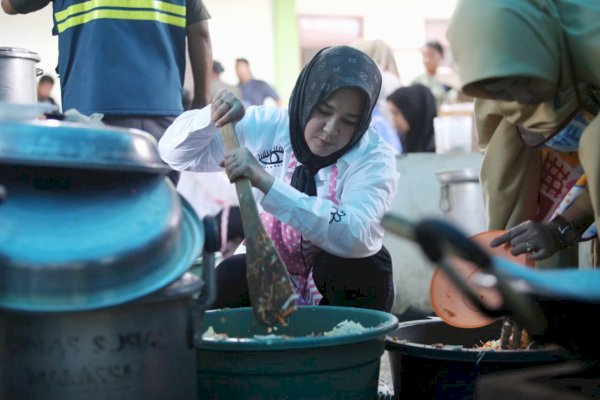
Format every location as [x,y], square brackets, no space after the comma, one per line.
[451,305]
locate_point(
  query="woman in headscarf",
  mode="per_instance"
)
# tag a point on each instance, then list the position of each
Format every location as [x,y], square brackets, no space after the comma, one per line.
[413,110]
[381,119]
[533,65]
[383,55]
[324,180]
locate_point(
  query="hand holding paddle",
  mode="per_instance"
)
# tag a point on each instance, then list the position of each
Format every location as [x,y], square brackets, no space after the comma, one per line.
[269,285]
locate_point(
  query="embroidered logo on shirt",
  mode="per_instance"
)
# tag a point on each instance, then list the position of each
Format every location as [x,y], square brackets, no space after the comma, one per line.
[336,215]
[271,157]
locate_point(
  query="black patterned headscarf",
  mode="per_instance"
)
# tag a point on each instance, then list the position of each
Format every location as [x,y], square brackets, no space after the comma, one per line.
[331,69]
[417,105]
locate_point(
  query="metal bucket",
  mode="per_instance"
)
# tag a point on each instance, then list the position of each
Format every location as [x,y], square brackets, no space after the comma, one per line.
[18,75]
[139,350]
[461,199]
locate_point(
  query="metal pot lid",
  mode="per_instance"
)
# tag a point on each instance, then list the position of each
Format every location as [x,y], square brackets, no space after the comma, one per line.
[69,145]
[93,244]
[24,112]
[19,53]
[458,176]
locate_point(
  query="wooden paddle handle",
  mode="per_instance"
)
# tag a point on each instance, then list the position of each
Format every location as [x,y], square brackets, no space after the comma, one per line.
[249,211]
[269,285]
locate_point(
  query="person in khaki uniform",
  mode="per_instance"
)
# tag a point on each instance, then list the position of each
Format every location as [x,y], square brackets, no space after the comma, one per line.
[537,116]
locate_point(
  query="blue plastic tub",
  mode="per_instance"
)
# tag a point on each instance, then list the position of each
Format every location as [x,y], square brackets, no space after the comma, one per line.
[305,365]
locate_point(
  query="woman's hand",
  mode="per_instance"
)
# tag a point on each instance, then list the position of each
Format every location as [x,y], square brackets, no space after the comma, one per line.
[239,163]
[530,237]
[226,108]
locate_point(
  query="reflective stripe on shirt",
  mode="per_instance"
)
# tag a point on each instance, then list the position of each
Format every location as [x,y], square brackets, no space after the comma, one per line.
[147,10]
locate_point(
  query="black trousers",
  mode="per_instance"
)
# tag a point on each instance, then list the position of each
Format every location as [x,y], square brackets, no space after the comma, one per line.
[349,282]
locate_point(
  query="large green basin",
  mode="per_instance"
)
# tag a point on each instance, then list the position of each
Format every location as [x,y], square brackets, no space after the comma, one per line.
[301,367]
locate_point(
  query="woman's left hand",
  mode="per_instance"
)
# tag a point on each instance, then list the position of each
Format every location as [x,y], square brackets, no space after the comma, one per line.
[226,107]
[239,163]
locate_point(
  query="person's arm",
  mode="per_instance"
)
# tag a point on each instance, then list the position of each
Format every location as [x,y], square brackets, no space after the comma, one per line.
[13,7]
[574,221]
[8,8]
[192,143]
[511,172]
[200,51]
[351,228]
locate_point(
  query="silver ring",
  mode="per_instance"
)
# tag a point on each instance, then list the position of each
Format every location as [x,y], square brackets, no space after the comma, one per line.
[529,247]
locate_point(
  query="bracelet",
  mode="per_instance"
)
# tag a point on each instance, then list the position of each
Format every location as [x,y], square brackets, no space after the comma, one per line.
[564,232]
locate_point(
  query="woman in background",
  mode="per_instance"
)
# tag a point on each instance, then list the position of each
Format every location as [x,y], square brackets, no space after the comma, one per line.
[413,109]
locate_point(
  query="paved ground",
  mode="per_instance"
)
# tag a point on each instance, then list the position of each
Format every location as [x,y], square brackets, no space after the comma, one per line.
[386,385]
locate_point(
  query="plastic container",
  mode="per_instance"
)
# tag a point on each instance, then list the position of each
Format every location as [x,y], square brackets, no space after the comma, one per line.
[428,362]
[299,367]
[453,134]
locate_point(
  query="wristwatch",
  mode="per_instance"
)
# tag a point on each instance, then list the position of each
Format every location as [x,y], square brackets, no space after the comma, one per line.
[565,234]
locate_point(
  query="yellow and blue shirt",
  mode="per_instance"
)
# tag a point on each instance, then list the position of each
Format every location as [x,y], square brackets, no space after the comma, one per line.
[121,57]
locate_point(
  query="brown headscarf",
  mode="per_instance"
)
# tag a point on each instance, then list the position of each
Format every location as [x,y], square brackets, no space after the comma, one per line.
[544,42]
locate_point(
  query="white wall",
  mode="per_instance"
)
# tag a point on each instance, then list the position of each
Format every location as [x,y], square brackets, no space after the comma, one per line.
[242,28]
[33,32]
[400,23]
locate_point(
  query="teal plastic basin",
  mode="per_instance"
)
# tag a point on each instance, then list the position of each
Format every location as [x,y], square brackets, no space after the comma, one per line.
[304,366]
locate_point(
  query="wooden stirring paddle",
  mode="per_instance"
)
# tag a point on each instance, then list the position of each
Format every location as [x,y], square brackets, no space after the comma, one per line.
[269,285]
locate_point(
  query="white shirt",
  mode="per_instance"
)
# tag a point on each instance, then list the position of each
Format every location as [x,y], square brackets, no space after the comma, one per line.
[207,192]
[366,183]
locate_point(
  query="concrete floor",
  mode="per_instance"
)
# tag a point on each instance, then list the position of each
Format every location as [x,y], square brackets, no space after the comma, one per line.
[385,374]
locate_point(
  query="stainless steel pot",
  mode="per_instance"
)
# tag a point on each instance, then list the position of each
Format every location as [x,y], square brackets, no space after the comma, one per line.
[139,350]
[74,240]
[82,246]
[18,75]
[461,200]
[79,147]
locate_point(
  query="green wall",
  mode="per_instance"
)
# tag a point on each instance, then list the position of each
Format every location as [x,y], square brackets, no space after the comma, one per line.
[287,46]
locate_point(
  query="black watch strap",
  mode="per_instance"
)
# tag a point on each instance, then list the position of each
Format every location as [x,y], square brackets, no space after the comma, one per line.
[564,232]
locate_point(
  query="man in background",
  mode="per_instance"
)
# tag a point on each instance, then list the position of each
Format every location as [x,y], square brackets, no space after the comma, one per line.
[44,88]
[216,83]
[433,56]
[126,60]
[254,91]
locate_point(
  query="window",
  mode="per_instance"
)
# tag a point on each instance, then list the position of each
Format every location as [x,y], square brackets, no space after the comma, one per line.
[318,31]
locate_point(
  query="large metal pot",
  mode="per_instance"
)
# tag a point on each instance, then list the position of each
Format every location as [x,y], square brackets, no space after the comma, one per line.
[432,360]
[79,147]
[461,200]
[89,220]
[78,240]
[89,228]
[138,350]
[18,75]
